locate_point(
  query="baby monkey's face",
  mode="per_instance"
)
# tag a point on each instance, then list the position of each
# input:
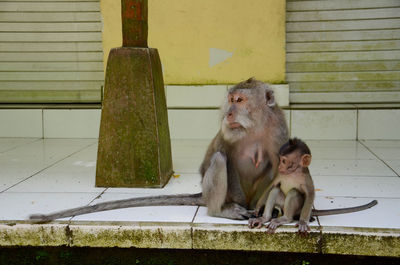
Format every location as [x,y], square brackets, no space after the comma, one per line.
[291,162]
[288,163]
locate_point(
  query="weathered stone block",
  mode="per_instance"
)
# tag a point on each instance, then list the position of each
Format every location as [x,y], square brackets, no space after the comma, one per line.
[19,235]
[134,142]
[132,235]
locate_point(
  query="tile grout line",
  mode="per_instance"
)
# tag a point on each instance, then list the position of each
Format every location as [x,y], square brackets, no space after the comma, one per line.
[194,217]
[379,158]
[88,204]
[192,228]
[356,176]
[290,123]
[357,123]
[359,197]
[49,166]
[42,123]
[17,146]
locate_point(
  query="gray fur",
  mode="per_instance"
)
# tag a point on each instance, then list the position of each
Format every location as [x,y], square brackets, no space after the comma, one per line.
[263,131]
[231,183]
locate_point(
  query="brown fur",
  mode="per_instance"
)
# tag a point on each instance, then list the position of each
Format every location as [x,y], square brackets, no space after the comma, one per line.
[238,165]
[252,130]
[293,191]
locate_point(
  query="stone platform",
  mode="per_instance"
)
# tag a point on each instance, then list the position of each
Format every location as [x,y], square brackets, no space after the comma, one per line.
[47,175]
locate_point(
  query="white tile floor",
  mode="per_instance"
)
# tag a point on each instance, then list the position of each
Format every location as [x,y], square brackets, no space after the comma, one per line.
[47,175]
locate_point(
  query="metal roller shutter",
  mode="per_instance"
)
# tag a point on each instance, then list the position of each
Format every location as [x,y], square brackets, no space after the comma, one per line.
[343,51]
[50,51]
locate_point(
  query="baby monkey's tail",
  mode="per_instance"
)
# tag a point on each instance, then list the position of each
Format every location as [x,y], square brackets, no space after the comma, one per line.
[344,210]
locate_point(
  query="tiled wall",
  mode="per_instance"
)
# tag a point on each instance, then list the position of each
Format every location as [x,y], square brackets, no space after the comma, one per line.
[324,124]
[50,123]
[202,124]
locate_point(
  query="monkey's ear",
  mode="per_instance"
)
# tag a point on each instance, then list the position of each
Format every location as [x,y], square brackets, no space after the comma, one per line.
[251,80]
[305,160]
[270,98]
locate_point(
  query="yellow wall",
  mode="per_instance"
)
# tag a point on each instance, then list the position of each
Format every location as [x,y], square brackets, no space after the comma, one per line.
[112,26]
[209,41]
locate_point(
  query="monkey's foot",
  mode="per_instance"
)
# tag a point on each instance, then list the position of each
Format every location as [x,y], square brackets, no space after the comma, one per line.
[303,228]
[234,211]
[257,222]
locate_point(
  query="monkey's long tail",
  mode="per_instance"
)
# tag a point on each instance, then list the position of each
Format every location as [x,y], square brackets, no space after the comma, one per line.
[163,200]
[344,210]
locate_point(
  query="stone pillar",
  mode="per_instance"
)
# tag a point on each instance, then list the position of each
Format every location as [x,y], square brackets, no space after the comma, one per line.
[134,142]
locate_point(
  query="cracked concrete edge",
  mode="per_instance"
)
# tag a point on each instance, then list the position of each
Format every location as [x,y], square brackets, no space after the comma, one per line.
[330,240]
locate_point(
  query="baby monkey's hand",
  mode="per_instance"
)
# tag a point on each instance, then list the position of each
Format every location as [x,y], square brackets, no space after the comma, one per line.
[304,228]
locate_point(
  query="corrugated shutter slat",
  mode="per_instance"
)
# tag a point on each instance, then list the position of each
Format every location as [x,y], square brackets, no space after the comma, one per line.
[50,51]
[343,46]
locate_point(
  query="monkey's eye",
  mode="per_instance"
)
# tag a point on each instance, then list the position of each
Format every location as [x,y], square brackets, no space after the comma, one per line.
[231,99]
[239,100]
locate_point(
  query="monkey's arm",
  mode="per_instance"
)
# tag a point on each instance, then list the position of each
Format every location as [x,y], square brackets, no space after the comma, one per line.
[269,207]
[211,150]
[164,200]
[306,209]
[344,210]
[264,197]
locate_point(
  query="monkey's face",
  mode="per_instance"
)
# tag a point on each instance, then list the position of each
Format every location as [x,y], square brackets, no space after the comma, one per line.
[237,112]
[237,118]
[289,163]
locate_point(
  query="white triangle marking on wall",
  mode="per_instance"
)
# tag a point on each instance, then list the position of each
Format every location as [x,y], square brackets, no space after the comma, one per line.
[218,56]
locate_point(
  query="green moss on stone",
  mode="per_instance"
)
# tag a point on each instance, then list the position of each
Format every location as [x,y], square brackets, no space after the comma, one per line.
[245,239]
[33,235]
[134,147]
[132,236]
[361,244]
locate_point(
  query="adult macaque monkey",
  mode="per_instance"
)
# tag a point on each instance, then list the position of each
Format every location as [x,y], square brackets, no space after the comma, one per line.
[243,157]
[293,191]
[239,164]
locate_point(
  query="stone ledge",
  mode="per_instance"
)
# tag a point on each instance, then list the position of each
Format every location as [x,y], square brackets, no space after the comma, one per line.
[134,235]
[240,237]
[329,240]
[18,235]
[361,241]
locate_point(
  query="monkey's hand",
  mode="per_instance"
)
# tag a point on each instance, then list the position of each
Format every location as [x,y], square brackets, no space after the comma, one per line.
[257,222]
[276,222]
[303,227]
[255,213]
[272,226]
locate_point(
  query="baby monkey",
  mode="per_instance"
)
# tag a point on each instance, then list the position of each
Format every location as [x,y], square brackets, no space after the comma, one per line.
[292,190]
